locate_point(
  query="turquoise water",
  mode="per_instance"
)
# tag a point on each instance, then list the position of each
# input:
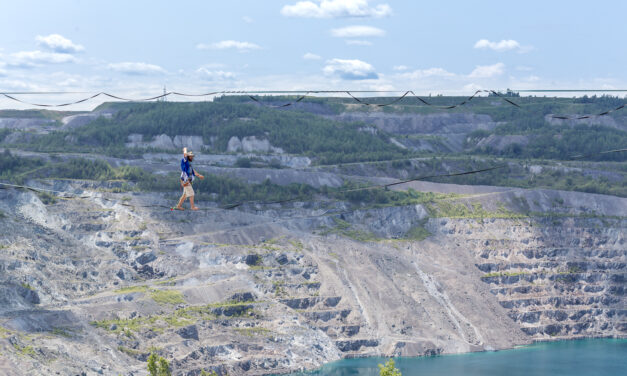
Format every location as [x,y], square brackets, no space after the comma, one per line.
[590,357]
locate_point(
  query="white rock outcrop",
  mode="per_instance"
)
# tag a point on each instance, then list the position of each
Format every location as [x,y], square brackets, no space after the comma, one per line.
[163,141]
[251,144]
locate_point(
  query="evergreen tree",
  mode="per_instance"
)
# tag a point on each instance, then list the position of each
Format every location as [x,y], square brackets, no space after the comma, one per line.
[158,366]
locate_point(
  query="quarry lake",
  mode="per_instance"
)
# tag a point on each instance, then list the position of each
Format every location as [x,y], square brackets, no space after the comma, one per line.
[598,357]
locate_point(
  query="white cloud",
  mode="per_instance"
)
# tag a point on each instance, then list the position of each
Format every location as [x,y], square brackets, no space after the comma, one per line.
[503,45]
[472,87]
[487,71]
[20,85]
[214,75]
[136,68]
[358,42]
[400,67]
[229,44]
[58,43]
[357,31]
[34,58]
[523,68]
[350,69]
[335,9]
[431,72]
[310,56]
[213,66]
[247,19]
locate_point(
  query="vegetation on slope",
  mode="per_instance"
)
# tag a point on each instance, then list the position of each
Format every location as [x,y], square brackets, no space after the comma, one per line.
[294,132]
[329,142]
[546,141]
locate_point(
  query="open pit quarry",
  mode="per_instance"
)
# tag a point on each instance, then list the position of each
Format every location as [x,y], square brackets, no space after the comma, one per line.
[93,285]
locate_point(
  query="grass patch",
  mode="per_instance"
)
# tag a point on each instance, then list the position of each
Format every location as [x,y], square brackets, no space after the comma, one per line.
[575,269]
[25,350]
[158,323]
[297,244]
[160,296]
[378,198]
[167,296]
[130,289]
[61,332]
[122,325]
[206,312]
[503,274]
[167,282]
[344,228]
[417,233]
[4,332]
[473,210]
[361,236]
[130,352]
[27,286]
[232,303]
[203,312]
[178,320]
[260,267]
[279,288]
[252,332]
[274,241]
[269,247]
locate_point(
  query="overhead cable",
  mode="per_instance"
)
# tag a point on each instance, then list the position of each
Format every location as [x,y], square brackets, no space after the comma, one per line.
[350,93]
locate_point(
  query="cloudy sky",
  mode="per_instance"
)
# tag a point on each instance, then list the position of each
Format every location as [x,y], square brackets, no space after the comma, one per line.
[135,48]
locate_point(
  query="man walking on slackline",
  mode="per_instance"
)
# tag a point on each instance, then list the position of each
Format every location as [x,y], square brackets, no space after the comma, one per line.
[187,177]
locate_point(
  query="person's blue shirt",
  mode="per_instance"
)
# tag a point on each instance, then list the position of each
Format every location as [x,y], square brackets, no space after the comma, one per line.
[187,172]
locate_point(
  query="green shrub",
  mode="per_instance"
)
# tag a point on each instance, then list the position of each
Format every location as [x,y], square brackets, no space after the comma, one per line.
[47,198]
[389,369]
[417,233]
[243,163]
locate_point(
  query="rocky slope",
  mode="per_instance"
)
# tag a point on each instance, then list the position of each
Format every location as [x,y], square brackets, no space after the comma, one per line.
[94,284]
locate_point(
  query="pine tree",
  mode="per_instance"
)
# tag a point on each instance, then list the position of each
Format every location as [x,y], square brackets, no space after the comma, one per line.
[158,366]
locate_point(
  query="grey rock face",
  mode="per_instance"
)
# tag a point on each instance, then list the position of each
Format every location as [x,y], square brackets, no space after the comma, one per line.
[243,297]
[163,141]
[145,258]
[214,295]
[188,332]
[252,259]
[415,123]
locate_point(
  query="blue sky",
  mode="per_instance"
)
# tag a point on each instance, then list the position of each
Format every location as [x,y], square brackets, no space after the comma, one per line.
[134,48]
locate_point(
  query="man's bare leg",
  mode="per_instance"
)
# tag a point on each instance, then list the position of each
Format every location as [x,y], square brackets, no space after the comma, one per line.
[181,201]
[191,202]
